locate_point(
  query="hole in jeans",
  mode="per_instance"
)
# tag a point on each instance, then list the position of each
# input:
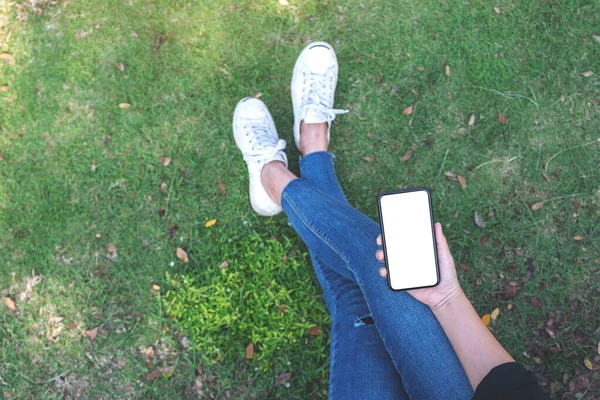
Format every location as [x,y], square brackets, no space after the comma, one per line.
[364,320]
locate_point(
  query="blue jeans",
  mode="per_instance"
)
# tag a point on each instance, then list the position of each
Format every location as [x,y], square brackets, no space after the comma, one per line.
[384,344]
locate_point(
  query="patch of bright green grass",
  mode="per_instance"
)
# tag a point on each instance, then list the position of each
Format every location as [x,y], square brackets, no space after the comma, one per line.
[80,174]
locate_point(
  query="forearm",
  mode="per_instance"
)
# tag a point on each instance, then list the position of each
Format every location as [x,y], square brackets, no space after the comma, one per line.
[476,347]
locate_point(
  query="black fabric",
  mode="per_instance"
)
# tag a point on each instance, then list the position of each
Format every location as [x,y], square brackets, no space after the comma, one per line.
[510,381]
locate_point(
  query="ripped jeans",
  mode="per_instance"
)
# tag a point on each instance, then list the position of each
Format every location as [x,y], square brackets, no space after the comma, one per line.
[384,344]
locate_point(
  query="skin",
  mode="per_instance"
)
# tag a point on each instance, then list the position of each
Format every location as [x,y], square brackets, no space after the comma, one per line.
[476,347]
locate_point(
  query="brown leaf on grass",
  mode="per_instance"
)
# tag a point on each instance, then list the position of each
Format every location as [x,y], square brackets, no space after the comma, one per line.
[8,302]
[224,265]
[579,336]
[413,91]
[479,221]
[107,140]
[537,206]
[283,307]
[408,110]
[588,364]
[367,158]
[284,259]
[447,71]
[257,95]
[587,74]
[530,269]
[165,161]
[8,58]
[550,332]
[579,238]
[154,374]
[159,40]
[509,291]
[472,120]
[111,248]
[486,319]
[249,351]
[120,67]
[148,352]
[182,255]
[4,89]
[450,176]
[222,187]
[462,181]
[2,157]
[155,287]
[535,302]
[421,69]
[124,105]
[407,156]
[497,10]
[314,331]
[464,267]
[483,240]
[546,177]
[283,379]
[596,38]
[502,118]
[72,325]
[598,349]
[164,187]
[496,243]
[92,333]
[495,314]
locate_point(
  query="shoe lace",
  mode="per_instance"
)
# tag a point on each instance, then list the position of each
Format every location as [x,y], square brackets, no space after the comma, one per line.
[264,146]
[316,96]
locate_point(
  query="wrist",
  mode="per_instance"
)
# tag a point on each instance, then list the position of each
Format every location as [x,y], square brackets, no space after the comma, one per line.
[451,297]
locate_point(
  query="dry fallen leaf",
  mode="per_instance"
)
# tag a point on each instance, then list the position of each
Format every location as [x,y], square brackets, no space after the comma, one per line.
[4,89]
[224,265]
[578,237]
[8,302]
[497,10]
[536,303]
[407,156]
[165,161]
[479,221]
[588,364]
[367,158]
[483,240]
[155,287]
[421,69]
[462,182]
[222,187]
[486,319]
[182,255]
[464,266]
[510,290]
[163,187]
[111,248]
[447,71]
[120,67]
[587,74]
[546,177]
[450,176]
[154,374]
[502,118]
[495,314]
[210,223]
[314,331]
[158,42]
[257,95]
[537,206]
[283,378]
[408,110]
[72,325]
[124,105]
[148,352]
[8,58]
[472,120]
[92,333]
[596,38]
[598,349]
[283,307]
[249,351]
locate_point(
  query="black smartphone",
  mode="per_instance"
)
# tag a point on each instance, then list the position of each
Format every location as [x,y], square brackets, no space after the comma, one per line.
[406,221]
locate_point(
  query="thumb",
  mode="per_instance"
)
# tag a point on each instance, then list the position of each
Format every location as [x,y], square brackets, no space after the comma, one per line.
[443,250]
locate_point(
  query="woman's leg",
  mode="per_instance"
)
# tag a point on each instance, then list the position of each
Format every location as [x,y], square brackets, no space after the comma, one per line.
[360,366]
[344,240]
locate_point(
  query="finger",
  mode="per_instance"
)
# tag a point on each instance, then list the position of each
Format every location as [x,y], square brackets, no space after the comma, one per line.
[379,255]
[379,242]
[382,272]
[443,250]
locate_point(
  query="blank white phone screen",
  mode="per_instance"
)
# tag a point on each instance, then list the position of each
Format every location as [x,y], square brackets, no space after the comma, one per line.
[410,256]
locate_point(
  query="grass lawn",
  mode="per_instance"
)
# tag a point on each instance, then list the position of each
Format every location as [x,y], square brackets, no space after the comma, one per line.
[95,94]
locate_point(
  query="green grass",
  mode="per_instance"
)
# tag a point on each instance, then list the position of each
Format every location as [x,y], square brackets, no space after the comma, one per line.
[63,104]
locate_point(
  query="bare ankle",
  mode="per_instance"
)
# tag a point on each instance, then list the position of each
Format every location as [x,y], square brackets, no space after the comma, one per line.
[313,137]
[275,176]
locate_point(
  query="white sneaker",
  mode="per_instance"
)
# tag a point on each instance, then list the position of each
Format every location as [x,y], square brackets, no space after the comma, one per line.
[313,87]
[256,137]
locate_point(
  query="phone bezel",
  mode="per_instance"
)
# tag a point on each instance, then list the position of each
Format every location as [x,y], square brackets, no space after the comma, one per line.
[381,227]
